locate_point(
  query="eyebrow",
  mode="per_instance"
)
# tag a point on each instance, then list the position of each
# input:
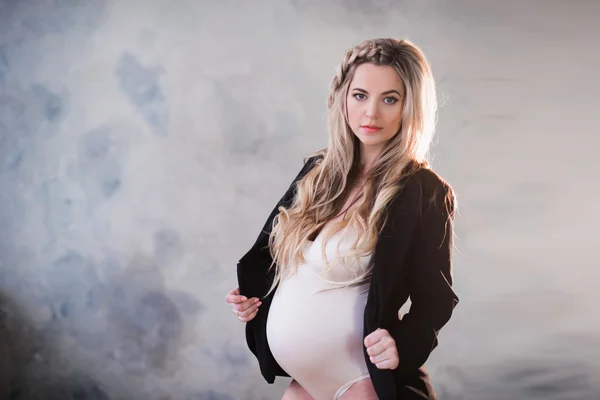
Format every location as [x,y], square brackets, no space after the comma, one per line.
[386,92]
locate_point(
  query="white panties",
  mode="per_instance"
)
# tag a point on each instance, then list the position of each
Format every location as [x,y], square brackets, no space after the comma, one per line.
[347,386]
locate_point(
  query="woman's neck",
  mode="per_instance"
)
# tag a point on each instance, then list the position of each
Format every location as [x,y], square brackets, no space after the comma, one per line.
[368,156]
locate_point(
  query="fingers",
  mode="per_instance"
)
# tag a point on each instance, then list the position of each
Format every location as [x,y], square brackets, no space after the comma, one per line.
[381,348]
[246,312]
[388,363]
[245,309]
[378,348]
[375,336]
[387,359]
[249,313]
[249,318]
[234,297]
[244,305]
[379,352]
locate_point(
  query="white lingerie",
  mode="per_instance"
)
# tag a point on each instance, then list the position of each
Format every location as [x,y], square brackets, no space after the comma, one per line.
[315,326]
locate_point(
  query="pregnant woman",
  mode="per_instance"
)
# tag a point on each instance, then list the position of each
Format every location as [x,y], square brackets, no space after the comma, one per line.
[366,225]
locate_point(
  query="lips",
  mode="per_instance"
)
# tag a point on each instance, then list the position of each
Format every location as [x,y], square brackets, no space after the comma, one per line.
[370,128]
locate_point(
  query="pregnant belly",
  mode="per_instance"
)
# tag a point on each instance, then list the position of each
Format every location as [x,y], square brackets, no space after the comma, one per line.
[317,336]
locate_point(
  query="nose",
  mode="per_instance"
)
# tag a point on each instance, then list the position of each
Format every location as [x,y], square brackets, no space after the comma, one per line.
[372,109]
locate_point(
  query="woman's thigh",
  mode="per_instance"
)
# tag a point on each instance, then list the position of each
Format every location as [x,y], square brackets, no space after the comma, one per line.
[361,390]
[296,392]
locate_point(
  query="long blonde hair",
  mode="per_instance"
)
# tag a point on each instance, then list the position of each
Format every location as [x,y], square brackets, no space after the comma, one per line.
[322,192]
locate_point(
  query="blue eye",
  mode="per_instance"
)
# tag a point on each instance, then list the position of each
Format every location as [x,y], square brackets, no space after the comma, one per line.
[393,99]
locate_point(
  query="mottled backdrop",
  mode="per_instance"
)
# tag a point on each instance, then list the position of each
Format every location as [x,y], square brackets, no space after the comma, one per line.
[134,136]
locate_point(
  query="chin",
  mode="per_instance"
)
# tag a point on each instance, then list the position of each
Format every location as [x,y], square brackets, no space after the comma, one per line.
[372,140]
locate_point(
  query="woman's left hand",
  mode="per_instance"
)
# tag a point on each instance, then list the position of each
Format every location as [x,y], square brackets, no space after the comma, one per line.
[382,350]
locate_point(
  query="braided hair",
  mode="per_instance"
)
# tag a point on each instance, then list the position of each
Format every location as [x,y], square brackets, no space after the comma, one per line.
[382,51]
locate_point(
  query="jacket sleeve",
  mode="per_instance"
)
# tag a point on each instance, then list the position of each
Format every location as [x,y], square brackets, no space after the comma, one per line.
[430,278]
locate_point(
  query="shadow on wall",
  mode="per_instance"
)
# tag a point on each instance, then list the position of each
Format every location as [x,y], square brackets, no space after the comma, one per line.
[23,365]
[139,331]
[101,339]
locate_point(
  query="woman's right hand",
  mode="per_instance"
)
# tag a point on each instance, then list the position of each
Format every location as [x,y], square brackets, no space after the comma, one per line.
[245,309]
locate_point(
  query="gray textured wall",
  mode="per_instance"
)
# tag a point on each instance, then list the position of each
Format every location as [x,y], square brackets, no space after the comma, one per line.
[133,136]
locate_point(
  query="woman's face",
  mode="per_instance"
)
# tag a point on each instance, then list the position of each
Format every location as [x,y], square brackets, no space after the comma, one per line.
[374,104]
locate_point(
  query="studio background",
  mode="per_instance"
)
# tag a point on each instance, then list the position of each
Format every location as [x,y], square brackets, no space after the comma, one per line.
[134,138]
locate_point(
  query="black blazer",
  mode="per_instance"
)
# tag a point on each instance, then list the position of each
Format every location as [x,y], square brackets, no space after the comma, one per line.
[412,258]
